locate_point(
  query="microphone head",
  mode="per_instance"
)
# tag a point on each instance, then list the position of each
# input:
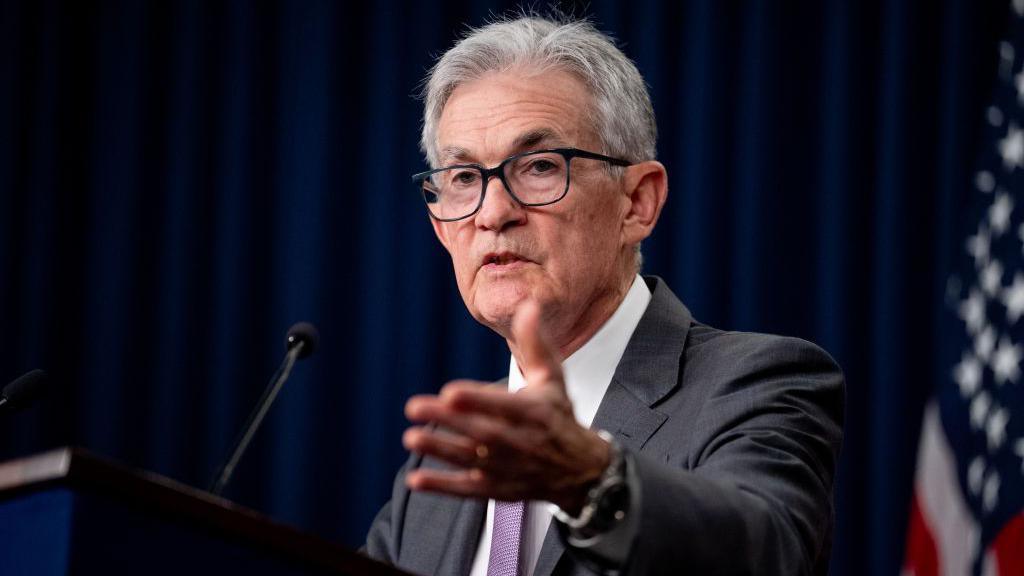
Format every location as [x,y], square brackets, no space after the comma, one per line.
[25,389]
[307,334]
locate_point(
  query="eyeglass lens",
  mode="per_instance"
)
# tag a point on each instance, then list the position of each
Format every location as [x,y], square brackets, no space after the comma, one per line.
[534,179]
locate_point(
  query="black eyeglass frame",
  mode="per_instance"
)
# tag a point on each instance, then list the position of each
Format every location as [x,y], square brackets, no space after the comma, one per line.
[499,171]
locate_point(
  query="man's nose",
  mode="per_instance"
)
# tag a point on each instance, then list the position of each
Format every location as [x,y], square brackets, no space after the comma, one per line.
[499,208]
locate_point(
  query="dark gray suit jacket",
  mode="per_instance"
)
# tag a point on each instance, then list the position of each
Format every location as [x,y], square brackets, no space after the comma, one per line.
[734,437]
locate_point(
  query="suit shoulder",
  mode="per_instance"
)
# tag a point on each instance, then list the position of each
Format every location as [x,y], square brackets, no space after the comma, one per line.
[735,353]
[763,381]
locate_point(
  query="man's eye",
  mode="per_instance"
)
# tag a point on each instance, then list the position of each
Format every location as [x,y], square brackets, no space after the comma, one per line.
[464,178]
[541,166]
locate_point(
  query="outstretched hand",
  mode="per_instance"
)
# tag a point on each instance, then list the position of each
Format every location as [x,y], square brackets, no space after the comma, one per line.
[523,446]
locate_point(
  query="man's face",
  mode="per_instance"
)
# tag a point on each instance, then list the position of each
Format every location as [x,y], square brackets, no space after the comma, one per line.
[568,256]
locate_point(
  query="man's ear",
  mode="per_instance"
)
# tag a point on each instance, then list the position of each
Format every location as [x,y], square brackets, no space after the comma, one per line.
[441,231]
[646,188]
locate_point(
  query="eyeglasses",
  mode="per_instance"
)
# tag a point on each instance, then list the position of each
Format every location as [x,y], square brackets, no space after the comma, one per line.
[534,178]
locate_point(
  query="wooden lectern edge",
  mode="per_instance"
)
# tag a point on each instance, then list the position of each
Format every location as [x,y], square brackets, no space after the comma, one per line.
[34,470]
[177,500]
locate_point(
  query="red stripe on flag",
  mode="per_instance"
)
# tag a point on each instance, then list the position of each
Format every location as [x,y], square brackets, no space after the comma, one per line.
[922,557]
[1009,547]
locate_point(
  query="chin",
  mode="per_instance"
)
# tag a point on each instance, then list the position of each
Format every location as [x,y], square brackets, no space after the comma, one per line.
[496,306]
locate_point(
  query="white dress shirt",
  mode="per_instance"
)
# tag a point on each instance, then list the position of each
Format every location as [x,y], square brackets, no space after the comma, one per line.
[588,372]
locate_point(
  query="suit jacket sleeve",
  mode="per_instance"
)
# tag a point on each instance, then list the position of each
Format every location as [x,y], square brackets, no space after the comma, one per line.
[753,494]
[383,541]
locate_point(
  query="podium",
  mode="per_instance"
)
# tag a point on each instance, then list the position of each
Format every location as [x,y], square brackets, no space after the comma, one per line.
[71,512]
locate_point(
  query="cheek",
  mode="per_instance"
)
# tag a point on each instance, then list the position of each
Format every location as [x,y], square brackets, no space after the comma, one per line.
[456,242]
[594,237]
[463,266]
[576,255]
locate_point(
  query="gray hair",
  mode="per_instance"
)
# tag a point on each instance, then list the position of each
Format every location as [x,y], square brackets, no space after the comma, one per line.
[621,110]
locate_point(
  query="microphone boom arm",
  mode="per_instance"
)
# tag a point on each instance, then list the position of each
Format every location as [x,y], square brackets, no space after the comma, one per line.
[252,424]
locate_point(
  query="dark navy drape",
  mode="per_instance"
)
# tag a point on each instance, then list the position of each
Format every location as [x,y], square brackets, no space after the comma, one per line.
[181,181]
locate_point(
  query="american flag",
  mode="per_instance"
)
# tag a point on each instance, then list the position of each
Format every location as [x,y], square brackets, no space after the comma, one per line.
[967,514]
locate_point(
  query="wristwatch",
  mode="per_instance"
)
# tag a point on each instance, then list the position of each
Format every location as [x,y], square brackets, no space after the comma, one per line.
[607,501]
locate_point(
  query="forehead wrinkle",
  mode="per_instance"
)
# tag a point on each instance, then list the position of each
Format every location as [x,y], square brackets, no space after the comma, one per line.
[484,121]
[531,139]
[534,138]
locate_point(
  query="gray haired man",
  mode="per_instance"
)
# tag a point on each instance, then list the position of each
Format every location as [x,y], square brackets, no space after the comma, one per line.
[658,445]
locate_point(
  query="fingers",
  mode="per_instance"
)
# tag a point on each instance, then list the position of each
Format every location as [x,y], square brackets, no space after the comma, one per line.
[472,483]
[490,400]
[456,449]
[467,396]
[479,427]
[467,483]
[539,361]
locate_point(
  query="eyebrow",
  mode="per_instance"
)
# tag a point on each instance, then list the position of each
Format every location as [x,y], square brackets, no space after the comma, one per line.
[522,143]
[534,138]
[454,153]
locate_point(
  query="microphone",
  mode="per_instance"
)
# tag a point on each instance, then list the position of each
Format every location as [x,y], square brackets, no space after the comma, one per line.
[301,341]
[305,335]
[23,391]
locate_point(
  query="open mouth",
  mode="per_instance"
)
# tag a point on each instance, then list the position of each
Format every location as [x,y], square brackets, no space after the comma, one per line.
[502,259]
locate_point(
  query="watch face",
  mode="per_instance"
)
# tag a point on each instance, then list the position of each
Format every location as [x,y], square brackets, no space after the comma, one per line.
[616,499]
[612,506]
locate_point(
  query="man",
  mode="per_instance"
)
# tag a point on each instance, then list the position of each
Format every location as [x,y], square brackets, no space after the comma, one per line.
[660,445]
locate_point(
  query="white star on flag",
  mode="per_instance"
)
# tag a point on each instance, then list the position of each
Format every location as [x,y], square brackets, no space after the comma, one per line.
[975,474]
[979,245]
[1013,299]
[992,278]
[984,343]
[968,375]
[995,118]
[1006,362]
[999,213]
[984,181]
[972,311]
[979,409]
[1005,59]
[991,495]
[995,428]
[1011,148]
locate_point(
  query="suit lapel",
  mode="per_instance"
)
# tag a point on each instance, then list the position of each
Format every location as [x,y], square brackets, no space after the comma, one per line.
[550,552]
[648,371]
[463,538]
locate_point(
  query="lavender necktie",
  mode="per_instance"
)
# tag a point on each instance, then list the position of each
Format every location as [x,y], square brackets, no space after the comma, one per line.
[508,527]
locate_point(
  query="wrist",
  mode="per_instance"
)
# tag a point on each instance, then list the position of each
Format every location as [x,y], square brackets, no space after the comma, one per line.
[576,496]
[607,500]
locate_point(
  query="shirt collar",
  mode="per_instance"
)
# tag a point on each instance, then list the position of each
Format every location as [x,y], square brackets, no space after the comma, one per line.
[589,370]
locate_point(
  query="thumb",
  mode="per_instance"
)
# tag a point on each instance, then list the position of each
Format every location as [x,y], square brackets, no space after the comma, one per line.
[538,360]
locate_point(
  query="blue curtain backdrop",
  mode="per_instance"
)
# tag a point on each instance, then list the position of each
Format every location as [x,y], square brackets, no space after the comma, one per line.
[181,181]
